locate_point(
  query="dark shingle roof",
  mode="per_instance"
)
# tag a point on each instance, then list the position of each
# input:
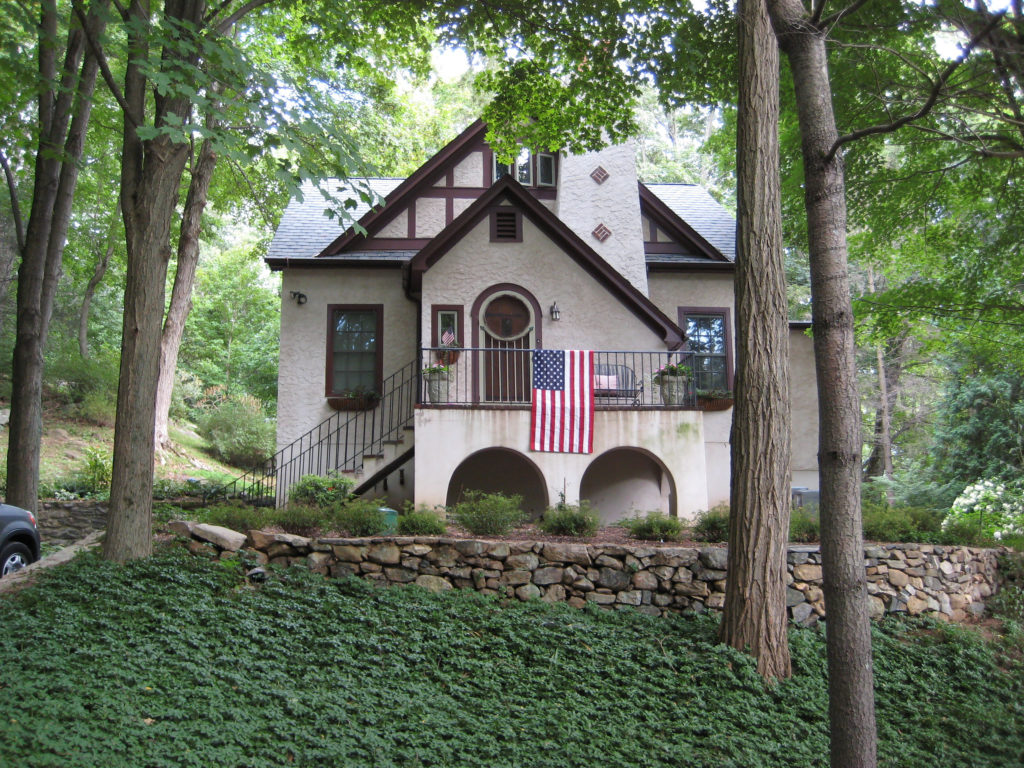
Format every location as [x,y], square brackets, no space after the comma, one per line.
[702,212]
[305,229]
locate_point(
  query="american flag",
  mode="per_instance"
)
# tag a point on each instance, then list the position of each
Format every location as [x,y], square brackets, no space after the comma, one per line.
[447,337]
[562,413]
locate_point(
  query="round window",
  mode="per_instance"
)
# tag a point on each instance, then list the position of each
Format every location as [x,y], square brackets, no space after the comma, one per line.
[507,317]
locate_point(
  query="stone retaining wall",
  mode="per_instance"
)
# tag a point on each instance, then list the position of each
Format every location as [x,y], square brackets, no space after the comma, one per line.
[65,522]
[918,579]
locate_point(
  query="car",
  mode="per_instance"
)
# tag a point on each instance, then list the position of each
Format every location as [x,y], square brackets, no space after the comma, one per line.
[19,539]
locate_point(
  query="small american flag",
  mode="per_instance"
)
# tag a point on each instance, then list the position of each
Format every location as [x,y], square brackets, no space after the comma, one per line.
[562,413]
[447,337]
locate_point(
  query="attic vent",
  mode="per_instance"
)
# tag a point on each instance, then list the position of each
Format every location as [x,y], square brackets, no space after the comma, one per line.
[601,232]
[600,175]
[506,226]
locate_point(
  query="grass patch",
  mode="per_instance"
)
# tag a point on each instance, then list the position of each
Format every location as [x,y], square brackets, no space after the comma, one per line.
[174,661]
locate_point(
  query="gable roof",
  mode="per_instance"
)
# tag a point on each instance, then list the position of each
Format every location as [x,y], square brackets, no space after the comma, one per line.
[700,212]
[585,256]
[305,229]
[422,177]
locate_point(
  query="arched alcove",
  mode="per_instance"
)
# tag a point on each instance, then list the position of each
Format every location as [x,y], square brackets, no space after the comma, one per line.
[624,481]
[500,470]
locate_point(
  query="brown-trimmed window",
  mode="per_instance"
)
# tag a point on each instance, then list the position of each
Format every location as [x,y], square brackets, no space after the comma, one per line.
[446,319]
[354,348]
[709,338]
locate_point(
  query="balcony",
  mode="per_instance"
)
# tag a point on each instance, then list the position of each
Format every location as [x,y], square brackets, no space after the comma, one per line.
[501,378]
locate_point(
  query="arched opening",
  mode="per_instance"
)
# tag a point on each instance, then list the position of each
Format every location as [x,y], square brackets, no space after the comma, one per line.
[624,481]
[500,470]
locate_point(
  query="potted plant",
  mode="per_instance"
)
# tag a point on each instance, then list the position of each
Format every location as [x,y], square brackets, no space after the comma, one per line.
[714,399]
[448,354]
[360,398]
[436,377]
[673,379]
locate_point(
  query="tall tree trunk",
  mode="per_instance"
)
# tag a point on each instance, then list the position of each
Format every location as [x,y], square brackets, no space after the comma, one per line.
[755,599]
[181,293]
[12,234]
[64,111]
[90,289]
[850,671]
[151,173]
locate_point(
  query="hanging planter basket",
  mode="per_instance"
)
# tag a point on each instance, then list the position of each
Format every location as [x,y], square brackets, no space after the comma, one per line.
[714,403]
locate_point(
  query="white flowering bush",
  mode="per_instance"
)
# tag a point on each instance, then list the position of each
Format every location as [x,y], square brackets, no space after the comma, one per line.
[994,508]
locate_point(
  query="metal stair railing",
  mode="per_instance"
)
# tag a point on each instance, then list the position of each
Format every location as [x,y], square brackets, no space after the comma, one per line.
[337,444]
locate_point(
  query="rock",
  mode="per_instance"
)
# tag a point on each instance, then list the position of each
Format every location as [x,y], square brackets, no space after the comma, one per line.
[629,597]
[400,575]
[317,560]
[898,579]
[549,575]
[916,605]
[715,558]
[807,572]
[794,597]
[567,553]
[528,592]
[416,550]
[202,548]
[516,577]
[604,561]
[181,527]
[498,550]
[470,547]
[706,574]
[256,575]
[716,600]
[523,562]
[601,598]
[675,556]
[280,549]
[348,554]
[876,607]
[224,538]
[433,583]
[554,594]
[801,613]
[583,584]
[813,594]
[613,579]
[645,580]
[385,554]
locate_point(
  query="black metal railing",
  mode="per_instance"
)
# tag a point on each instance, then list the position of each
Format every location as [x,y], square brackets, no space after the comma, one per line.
[503,377]
[337,444]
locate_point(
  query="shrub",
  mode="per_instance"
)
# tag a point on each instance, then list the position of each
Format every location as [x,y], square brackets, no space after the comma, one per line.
[804,525]
[302,519]
[362,517]
[654,527]
[996,508]
[94,477]
[238,432]
[488,514]
[570,520]
[1008,602]
[169,488]
[98,406]
[420,522]
[321,491]
[712,525]
[237,517]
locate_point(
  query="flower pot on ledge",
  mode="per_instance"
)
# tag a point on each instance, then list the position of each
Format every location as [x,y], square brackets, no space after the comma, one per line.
[673,389]
[714,403]
[437,387]
[360,403]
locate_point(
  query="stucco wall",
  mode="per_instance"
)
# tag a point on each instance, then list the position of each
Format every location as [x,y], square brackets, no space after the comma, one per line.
[803,392]
[445,436]
[470,170]
[671,290]
[583,204]
[591,317]
[301,402]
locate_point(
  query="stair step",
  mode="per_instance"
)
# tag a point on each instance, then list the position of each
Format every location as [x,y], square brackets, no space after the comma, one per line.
[398,441]
[373,456]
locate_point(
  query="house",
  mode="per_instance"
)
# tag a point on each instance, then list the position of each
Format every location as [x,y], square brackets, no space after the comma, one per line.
[478,266]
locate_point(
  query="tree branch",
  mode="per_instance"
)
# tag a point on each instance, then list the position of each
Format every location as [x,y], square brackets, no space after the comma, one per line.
[835,18]
[933,97]
[12,188]
[101,59]
[251,5]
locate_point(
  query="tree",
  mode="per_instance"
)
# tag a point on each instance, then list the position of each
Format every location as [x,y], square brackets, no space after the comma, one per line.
[754,615]
[853,737]
[64,106]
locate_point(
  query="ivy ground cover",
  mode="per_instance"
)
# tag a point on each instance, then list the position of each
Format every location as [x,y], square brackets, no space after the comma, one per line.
[176,661]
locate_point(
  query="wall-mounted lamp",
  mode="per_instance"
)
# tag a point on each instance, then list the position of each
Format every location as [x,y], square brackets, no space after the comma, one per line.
[299,297]
[556,313]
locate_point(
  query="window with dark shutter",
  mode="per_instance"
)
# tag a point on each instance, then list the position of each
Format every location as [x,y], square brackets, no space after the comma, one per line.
[506,226]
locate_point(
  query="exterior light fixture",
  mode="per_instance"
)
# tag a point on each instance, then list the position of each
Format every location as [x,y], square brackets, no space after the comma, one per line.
[299,297]
[556,313]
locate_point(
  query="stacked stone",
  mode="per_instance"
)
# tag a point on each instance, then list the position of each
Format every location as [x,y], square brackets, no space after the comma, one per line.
[65,522]
[947,582]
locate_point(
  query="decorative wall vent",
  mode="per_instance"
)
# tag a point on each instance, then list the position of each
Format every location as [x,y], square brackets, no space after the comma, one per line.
[506,226]
[600,175]
[601,232]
